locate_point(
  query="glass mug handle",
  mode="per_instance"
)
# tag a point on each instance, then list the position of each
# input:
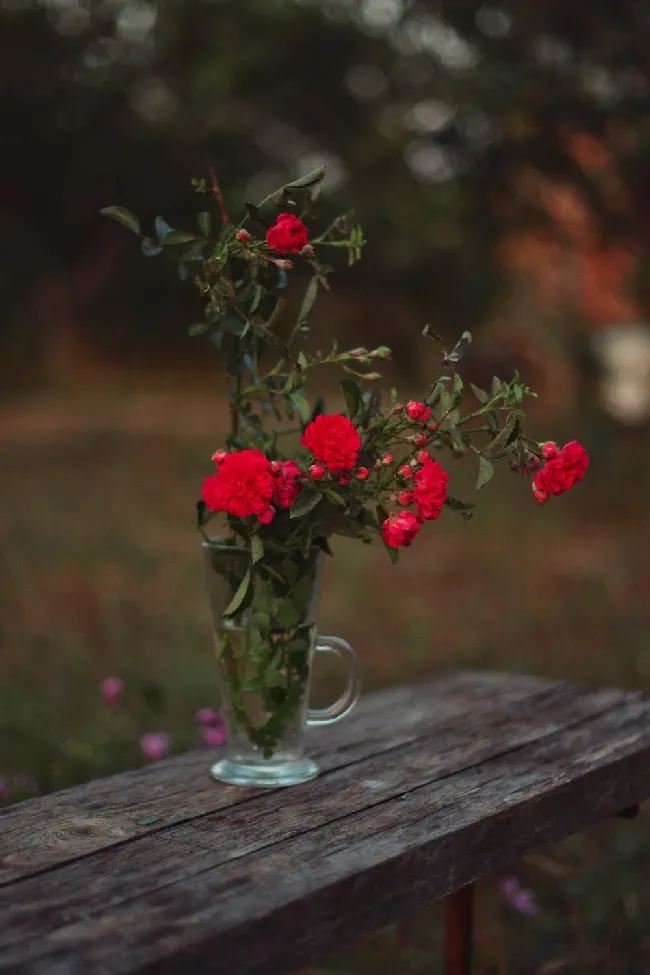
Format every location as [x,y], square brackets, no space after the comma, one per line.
[350,696]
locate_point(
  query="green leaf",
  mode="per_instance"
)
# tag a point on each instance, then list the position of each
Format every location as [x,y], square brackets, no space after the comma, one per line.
[199,329]
[302,361]
[257,297]
[457,388]
[162,228]
[203,513]
[288,614]
[305,502]
[302,406]
[393,553]
[147,821]
[460,348]
[205,223]
[178,237]
[308,301]
[310,179]
[319,407]
[480,394]
[150,248]
[240,596]
[485,472]
[257,549]
[123,216]
[463,508]
[353,398]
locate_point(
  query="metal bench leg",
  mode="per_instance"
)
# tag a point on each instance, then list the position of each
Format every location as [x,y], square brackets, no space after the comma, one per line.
[459,931]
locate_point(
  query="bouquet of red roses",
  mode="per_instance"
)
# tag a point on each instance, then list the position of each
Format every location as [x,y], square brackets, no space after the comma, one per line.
[291,474]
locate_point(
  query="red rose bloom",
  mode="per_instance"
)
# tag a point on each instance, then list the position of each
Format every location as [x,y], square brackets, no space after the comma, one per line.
[562,471]
[288,236]
[334,441]
[287,485]
[400,529]
[418,411]
[243,485]
[430,490]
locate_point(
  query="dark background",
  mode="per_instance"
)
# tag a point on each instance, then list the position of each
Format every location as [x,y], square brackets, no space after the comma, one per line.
[497,158]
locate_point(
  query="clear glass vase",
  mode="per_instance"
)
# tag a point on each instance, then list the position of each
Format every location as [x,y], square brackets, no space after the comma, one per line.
[265,653]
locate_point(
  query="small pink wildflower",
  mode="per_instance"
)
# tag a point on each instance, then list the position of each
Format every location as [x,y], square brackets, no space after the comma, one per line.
[154,745]
[206,716]
[520,899]
[214,735]
[111,689]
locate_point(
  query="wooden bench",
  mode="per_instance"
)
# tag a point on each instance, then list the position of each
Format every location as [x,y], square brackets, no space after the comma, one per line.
[424,789]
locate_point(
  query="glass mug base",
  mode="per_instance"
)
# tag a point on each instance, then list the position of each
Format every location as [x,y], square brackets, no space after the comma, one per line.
[266,653]
[267,774]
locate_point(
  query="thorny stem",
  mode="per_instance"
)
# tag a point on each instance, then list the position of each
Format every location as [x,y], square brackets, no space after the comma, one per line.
[216,190]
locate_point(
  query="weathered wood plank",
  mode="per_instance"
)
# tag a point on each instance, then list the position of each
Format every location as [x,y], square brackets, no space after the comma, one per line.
[40,833]
[256,889]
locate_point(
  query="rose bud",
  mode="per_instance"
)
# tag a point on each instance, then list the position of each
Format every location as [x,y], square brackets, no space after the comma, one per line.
[219,456]
[243,235]
[405,498]
[418,411]
[549,450]
[362,474]
[317,471]
[387,459]
[404,471]
[419,439]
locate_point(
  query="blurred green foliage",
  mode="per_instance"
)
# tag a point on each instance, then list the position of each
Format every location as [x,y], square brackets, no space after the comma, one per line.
[428,113]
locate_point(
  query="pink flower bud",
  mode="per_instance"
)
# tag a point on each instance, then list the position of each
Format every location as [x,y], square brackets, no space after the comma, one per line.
[317,471]
[154,745]
[242,235]
[549,450]
[419,439]
[432,427]
[111,689]
[398,408]
[422,457]
[219,456]
[274,467]
[344,479]
[206,716]
[532,462]
[362,474]
[387,459]
[418,411]
[213,736]
[404,471]
[284,265]
[405,498]
[539,495]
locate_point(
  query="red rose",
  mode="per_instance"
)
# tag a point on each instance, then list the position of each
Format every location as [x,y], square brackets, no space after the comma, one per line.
[287,485]
[334,441]
[418,411]
[288,236]
[400,529]
[430,490]
[562,471]
[243,485]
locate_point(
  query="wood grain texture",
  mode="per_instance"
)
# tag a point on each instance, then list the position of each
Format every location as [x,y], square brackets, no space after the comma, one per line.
[428,788]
